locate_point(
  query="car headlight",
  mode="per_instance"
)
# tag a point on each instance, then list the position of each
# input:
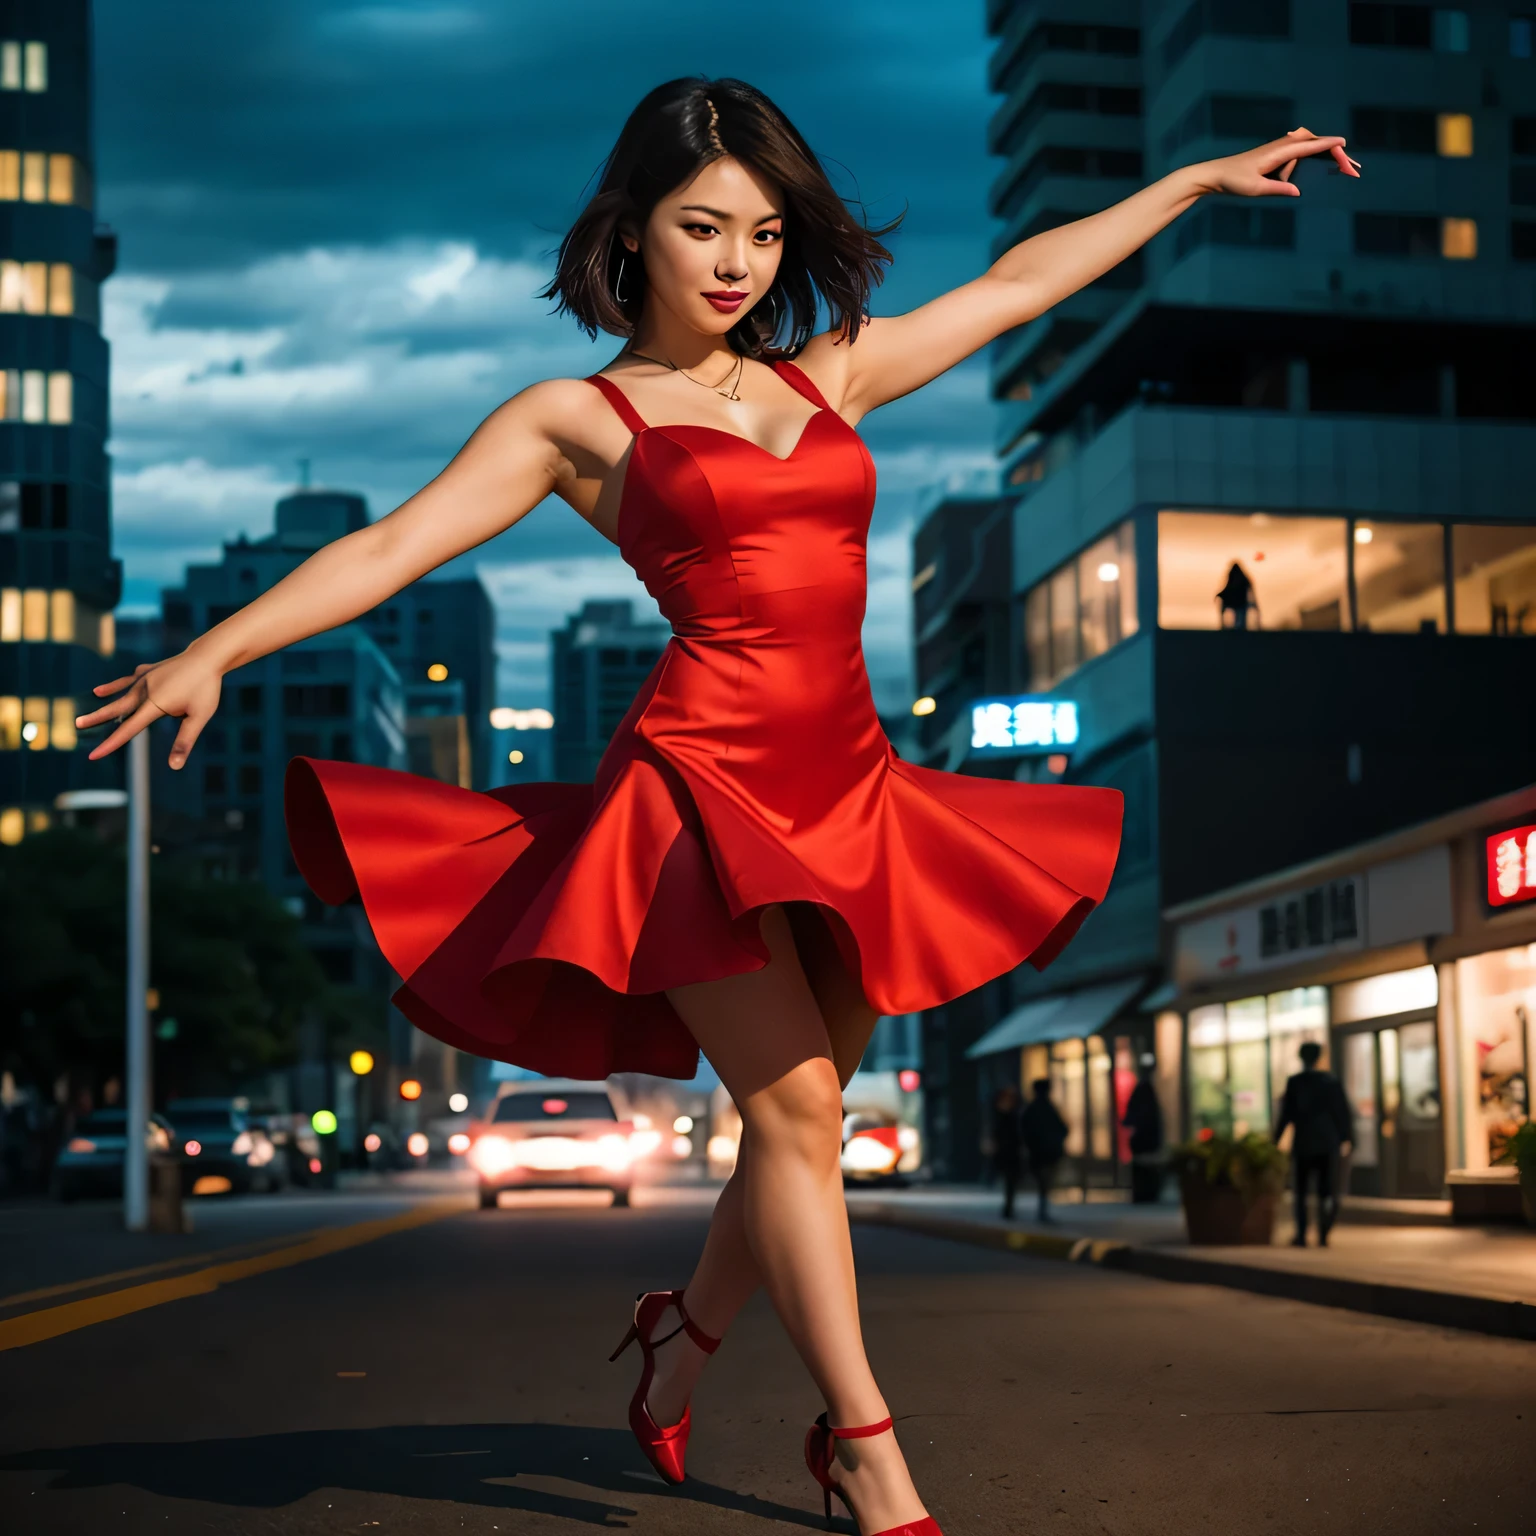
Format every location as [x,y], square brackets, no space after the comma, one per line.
[864,1154]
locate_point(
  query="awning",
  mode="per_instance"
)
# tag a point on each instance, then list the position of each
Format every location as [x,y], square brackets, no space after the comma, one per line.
[1067,1016]
[1164,997]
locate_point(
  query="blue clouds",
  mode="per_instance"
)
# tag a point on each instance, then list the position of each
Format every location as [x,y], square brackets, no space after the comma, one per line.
[334,218]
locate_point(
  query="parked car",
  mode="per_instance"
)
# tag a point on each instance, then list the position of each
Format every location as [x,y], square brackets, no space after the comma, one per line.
[220,1147]
[552,1133]
[92,1160]
[873,1147]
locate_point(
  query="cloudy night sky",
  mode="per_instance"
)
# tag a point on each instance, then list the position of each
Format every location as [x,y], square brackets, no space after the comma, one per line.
[334,217]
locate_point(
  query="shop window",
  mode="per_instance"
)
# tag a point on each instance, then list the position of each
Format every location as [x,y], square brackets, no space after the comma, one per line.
[1241,1053]
[1497,1010]
[1069,1090]
[1099,1090]
[1400,577]
[1251,570]
[1494,571]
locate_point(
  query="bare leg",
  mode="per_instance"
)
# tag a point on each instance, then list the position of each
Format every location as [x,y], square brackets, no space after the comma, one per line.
[727,1274]
[766,1036]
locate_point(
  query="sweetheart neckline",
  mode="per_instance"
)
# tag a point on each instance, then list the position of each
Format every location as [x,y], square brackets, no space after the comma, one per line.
[736,437]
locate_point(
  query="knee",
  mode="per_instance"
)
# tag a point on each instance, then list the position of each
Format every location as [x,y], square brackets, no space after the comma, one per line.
[799,1114]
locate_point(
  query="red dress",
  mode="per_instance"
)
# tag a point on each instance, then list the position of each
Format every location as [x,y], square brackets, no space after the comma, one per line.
[542,924]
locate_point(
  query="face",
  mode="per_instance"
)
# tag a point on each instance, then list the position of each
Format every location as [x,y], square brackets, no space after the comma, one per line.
[712,248]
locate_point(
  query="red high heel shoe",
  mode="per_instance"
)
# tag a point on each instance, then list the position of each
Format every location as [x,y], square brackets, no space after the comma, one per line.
[664,1445]
[819,1452]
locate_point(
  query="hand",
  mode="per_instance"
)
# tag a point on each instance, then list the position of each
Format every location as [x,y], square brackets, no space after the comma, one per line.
[186,686]
[1266,171]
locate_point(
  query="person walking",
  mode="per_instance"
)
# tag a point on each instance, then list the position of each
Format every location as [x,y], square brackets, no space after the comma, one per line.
[1143,1118]
[1007,1143]
[719,887]
[1314,1103]
[1044,1134]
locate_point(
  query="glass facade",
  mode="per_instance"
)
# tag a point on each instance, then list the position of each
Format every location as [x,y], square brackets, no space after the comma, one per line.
[1497,1006]
[1493,569]
[1082,609]
[1239,1055]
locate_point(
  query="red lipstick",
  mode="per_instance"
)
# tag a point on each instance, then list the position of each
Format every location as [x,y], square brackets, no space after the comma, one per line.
[727,300]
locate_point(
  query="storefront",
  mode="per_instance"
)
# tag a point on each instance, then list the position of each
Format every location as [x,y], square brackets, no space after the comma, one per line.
[1411,960]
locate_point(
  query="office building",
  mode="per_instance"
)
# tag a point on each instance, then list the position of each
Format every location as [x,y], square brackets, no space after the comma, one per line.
[1273,544]
[597,663]
[58,580]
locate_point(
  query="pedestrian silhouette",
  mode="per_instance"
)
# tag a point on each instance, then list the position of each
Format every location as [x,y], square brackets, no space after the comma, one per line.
[1237,597]
[1044,1134]
[1314,1103]
[1143,1118]
[1007,1143]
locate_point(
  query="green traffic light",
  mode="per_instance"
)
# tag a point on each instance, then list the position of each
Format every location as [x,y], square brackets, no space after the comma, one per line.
[324,1122]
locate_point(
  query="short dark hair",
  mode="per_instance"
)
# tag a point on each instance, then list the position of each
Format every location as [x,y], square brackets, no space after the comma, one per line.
[1311,1053]
[1041,1086]
[677,130]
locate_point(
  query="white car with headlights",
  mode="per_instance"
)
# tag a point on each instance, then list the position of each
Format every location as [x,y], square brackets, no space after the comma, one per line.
[555,1133]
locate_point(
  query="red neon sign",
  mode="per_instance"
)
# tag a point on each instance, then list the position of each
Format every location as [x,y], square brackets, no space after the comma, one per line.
[1512,866]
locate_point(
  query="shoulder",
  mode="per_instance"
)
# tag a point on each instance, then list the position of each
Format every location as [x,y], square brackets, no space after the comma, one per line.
[826,360]
[559,411]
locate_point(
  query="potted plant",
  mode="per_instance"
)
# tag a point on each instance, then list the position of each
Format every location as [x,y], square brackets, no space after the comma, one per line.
[1230,1187]
[1520,1150]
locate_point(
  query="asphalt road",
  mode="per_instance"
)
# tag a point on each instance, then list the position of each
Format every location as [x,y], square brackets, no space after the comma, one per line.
[452,1378]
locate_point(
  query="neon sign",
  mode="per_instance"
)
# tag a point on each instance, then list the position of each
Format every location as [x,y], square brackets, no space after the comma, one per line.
[1512,866]
[1023,725]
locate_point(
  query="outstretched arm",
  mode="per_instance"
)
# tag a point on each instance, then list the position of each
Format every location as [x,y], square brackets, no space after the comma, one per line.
[512,463]
[900,353]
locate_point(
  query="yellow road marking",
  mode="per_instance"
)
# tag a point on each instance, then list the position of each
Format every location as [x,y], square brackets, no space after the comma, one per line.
[50,1322]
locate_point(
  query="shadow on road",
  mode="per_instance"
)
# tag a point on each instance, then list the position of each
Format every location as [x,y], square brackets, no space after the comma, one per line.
[478,1464]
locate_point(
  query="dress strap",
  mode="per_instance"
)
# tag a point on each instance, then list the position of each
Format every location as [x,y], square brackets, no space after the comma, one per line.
[619,401]
[797,381]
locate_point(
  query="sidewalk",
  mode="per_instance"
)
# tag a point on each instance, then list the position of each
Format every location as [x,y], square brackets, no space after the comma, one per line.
[1479,1278]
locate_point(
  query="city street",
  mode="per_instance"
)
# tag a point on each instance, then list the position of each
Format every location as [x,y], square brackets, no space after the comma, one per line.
[451,1377]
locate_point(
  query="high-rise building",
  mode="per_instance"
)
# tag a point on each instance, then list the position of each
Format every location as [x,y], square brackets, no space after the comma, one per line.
[597,664]
[1274,542]
[58,580]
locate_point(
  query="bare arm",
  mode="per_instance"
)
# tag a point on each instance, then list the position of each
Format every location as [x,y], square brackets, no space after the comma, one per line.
[513,461]
[900,353]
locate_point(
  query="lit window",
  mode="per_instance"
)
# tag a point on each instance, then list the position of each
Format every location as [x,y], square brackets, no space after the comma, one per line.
[1494,569]
[12,826]
[11,287]
[1106,587]
[1458,239]
[34,178]
[61,289]
[38,821]
[63,730]
[61,399]
[10,66]
[10,614]
[1250,571]
[10,723]
[34,396]
[1453,135]
[34,723]
[37,66]
[106,634]
[34,287]
[10,175]
[61,178]
[61,616]
[1400,577]
[34,614]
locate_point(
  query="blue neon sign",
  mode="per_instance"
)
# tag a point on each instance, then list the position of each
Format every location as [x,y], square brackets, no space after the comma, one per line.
[1023,725]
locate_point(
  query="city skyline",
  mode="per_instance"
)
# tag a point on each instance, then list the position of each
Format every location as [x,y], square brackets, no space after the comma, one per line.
[327,256]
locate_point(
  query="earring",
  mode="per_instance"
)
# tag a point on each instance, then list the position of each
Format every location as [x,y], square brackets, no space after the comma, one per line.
[618,282]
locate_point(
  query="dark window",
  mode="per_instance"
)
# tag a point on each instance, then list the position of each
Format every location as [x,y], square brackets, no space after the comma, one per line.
[1522,184]
[647,659]
[218,612]
[249,698]
[1226,18]
[611,657]
[214,741]
[1522,240]
[391,615]
[250,778]
[1068,160]
[423,615]
[1397,234]
[302,743]
[250,739]
[1064,96]
[522,1107]
[58,505]
[1064,37]
[307,701]
[1392,26]
[213,779]
[34,505]
[1124,274]
[1254,119]
[177,614]
[247,578]
[1405,130]
[1238,224]
[1522,135]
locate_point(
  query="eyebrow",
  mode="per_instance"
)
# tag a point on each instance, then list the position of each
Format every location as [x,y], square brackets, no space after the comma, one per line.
[720,213]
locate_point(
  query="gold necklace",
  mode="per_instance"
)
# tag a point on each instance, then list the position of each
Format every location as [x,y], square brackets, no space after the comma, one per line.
[728,392]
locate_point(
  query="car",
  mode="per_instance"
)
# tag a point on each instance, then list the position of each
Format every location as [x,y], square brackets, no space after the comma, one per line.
[221,1151]
[874,1146]
[91,1162]
[552,1133]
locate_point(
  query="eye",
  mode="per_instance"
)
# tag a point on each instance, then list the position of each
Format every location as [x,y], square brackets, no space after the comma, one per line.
[707,229]
[772,235]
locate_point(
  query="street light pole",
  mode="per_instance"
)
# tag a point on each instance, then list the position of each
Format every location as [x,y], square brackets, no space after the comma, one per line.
[136,1153]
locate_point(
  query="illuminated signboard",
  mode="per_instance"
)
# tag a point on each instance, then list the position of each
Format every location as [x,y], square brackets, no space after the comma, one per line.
[1512,866]
[1023,725]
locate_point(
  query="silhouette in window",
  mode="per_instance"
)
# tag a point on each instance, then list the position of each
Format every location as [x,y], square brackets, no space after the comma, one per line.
[1237,598]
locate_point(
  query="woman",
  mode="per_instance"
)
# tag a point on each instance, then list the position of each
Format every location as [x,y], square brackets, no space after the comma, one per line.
[754,872]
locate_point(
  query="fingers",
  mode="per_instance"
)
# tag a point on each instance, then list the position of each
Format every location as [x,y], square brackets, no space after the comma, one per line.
[113,711]
[146,714]
[190,730]
[117,684]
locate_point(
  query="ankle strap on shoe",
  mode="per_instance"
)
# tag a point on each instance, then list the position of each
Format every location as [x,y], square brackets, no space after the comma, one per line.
[688,1326]
[857,1431]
